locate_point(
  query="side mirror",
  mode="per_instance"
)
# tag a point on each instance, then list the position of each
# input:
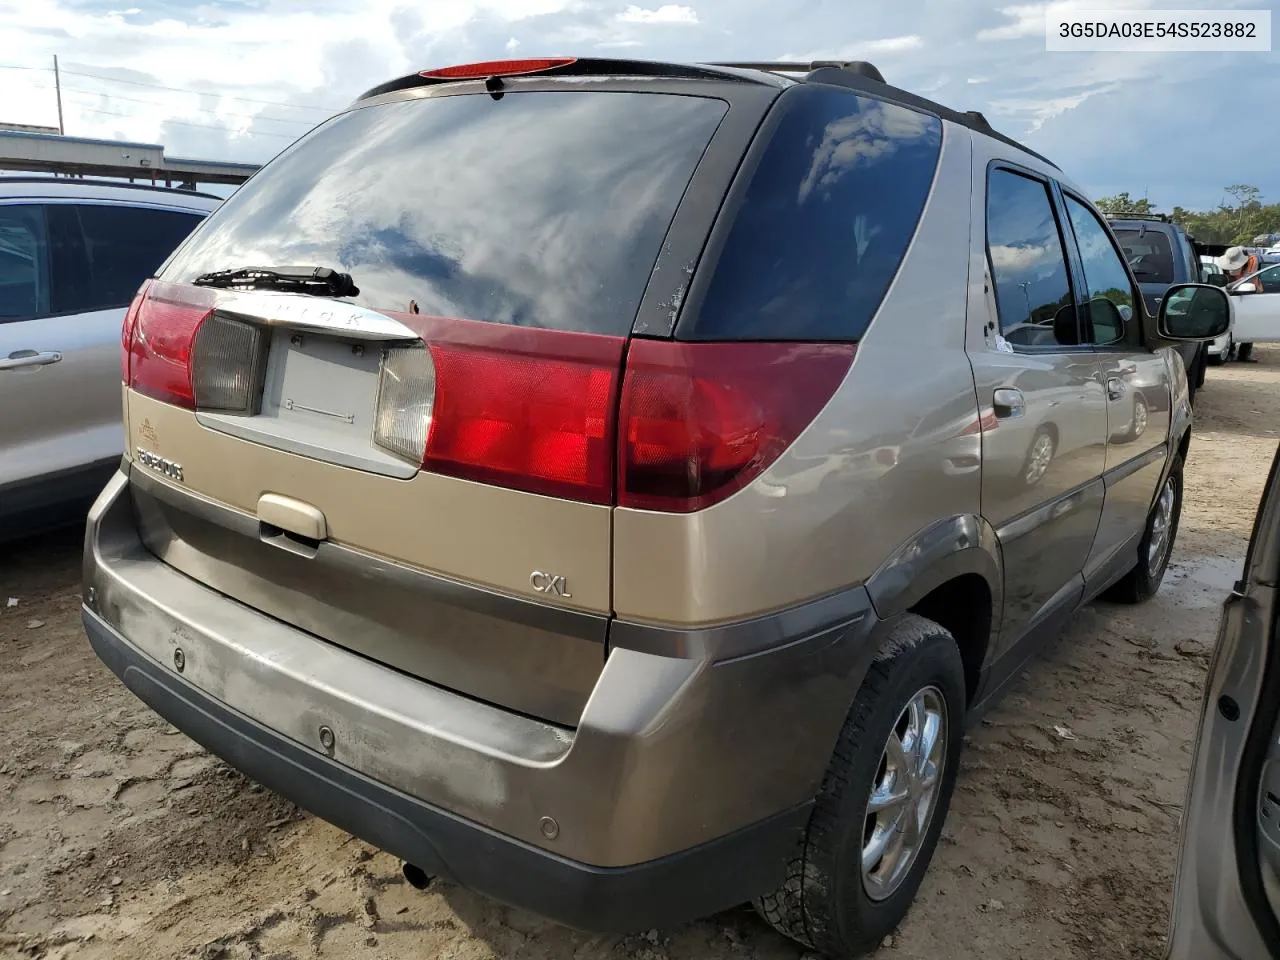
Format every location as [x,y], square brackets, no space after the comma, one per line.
[1249,287]
[1194,311]
[1217,279]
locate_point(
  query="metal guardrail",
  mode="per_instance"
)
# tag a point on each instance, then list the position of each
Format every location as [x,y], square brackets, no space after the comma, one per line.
[79,157]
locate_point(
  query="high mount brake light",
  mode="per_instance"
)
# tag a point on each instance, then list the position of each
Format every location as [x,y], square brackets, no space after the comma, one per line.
[497,68]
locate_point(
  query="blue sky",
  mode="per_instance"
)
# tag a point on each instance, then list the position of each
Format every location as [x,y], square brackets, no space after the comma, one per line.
[1175,126]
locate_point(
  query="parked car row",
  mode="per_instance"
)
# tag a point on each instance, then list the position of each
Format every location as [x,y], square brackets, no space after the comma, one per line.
[591,536]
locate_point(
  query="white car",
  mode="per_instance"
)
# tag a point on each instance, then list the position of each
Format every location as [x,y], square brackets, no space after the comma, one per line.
[72,255]
[1221,350]
[1256,306]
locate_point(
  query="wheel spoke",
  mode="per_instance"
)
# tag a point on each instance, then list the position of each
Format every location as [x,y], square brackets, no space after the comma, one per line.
[886,798]
[875,848]
[896,753]
[929,775]
[928,741]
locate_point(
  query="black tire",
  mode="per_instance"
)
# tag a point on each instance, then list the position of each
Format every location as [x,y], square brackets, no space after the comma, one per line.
[1216,359]
[1141,583]
[1201,367]
[824,903]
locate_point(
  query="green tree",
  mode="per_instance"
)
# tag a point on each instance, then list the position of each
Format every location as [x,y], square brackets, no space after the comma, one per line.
[1123,203]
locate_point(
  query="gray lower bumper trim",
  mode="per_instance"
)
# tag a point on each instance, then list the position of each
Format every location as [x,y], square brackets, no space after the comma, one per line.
[659,893]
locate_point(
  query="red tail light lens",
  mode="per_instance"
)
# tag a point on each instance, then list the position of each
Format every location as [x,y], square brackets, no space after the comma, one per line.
[126,332]
[161,335]
[984,423]
[497,68]
[524,408]
[699,421]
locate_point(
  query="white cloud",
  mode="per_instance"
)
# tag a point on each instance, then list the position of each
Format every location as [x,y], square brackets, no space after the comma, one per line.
[862,50]
[667,13]
[1029,19]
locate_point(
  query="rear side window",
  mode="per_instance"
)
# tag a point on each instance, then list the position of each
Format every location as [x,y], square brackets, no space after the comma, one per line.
[1110,290]
[1149,253]
[1024,245]
[824,221]
[103,252]
[540,209]
[24,269]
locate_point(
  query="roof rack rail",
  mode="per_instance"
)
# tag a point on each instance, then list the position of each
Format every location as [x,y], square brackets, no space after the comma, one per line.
[1153,217]
[861,67]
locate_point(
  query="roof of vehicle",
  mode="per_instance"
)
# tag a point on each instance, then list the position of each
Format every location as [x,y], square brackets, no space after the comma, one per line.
[857,75]
[45,187]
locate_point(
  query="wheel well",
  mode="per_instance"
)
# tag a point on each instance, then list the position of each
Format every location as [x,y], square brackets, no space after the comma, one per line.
[963,607]
[1184,445]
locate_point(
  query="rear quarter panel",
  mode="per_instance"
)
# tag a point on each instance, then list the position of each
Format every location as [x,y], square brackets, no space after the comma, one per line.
[817,521]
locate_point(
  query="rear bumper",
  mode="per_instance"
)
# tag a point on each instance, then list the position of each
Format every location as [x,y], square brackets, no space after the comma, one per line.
[661,892]
[679,793]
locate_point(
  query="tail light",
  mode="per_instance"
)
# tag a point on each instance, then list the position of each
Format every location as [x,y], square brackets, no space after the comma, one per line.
[176,349]
[161,336]
[988,421]
[699,421]
[126,331]
[530,409]
[546,411]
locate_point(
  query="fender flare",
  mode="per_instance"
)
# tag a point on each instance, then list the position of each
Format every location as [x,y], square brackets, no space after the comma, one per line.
[953,547]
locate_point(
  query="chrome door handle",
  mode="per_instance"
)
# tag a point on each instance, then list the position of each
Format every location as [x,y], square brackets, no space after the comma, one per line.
[29,358]
[1009,404]
[1116,389]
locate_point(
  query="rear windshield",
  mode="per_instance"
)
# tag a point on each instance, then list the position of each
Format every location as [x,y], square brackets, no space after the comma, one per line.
[1149,254]
[821,228]
[537,209]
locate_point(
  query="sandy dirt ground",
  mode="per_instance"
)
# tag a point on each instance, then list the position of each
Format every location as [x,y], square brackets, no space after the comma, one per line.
[119,837]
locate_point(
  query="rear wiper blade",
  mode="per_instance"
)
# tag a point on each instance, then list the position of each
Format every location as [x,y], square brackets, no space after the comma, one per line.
[317,281]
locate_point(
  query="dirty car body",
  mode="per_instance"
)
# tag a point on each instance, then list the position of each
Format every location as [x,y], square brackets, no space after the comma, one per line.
[566,551]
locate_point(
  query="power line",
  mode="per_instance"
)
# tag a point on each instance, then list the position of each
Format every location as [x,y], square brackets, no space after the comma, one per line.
[160,103]
[203,126]
[158,86]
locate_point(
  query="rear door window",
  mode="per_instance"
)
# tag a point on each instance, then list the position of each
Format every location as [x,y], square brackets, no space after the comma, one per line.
[103,252]
[820,229]
[539,209]
[1110,295]
[24,262]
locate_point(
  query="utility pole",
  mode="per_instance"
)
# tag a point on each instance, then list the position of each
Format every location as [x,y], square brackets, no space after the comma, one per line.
[57,85]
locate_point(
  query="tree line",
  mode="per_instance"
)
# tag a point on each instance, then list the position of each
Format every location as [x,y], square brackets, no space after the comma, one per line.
[1243,224]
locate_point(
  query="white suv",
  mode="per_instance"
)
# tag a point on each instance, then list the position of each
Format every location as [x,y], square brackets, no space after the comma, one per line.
[72,255]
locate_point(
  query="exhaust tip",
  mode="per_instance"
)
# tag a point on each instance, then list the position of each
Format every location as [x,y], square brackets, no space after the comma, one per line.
[416,877]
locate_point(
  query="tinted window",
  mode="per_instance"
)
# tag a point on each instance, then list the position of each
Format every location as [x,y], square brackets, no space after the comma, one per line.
[103,252]
[1033,293]
[24,269]
[1110,291]
[1269,280]
[1149,254]
[824,220]
[538,209]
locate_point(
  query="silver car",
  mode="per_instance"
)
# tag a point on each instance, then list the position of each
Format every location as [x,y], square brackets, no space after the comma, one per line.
[1227,890]
[72,255]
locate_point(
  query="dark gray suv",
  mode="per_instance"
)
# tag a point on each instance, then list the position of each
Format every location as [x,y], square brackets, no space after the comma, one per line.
[1161,253]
